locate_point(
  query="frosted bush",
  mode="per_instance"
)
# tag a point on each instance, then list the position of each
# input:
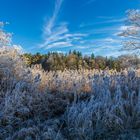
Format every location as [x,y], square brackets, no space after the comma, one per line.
[23,104]
[96,104]
[68,105]
[113,108]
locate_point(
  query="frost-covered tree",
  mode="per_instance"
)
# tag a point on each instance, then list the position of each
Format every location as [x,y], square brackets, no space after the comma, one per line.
[5,38]
[131,31]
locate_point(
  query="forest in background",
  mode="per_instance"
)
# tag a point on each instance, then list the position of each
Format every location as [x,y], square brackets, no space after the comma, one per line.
[74,60]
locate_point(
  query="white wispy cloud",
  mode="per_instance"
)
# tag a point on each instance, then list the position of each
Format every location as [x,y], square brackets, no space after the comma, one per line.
[108,46]
[88,2]
[61,37]
[107,21]
[48,27]
[107,50]
[58,35]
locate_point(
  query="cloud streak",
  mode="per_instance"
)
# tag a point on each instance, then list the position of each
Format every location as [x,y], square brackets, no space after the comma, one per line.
[108,21]
[50,24]
[89,2]
[58,35]
[61,37]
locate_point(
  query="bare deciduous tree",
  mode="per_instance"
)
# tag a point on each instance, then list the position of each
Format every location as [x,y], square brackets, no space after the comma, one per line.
[131,31]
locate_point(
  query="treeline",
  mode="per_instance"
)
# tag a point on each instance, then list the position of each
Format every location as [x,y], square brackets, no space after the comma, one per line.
[75,60]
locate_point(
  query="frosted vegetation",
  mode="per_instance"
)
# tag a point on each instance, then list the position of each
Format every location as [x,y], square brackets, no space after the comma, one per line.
[132,31]
[73,105]
[68,105]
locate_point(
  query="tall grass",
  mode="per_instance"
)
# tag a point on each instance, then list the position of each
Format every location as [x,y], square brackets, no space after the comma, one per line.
[70,105]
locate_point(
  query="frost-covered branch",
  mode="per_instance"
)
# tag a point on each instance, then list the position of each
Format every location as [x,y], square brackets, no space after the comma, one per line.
[131,33]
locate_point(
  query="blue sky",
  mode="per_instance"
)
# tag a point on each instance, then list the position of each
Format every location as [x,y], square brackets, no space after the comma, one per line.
[60,25]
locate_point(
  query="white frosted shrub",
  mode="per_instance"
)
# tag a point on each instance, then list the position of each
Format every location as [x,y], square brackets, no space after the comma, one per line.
[68,105]
[25,109]
[100,104]
[114,108]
